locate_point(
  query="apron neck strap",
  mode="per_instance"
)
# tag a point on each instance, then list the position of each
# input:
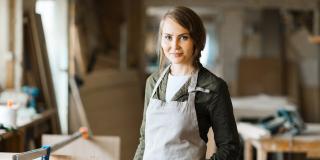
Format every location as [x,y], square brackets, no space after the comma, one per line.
[193,82]
[159,80]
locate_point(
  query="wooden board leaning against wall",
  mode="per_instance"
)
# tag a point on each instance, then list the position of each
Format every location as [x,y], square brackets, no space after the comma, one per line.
[37,69]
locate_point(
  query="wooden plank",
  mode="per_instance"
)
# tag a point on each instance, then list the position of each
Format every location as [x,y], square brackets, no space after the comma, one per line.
[11,62]
[99,147]
[77,61]
[41,57]
[77,53]
[79,105]
[10,74]
[18,50]
[30,64]
[285,145]
[89,28]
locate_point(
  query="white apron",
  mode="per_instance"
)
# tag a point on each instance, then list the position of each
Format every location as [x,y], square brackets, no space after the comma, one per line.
[171,130]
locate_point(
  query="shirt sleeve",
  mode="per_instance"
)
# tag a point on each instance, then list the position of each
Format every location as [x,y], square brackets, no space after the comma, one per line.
[140,150]
[224,125]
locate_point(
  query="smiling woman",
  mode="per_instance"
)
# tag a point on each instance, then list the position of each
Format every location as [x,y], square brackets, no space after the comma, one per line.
[183,100]
[177,45]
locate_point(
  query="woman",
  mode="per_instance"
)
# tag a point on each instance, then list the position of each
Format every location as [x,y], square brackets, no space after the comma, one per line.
[184,100]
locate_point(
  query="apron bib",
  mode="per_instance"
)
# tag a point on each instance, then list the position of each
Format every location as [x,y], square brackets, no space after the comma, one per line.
[172,130]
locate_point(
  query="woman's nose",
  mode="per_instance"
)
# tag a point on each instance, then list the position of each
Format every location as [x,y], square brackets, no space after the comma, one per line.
[175,44]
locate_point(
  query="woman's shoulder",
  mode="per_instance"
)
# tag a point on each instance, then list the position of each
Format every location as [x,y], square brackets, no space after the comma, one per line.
[209,80]
[152,78]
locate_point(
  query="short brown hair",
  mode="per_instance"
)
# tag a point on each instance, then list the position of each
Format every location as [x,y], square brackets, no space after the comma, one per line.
[189,20]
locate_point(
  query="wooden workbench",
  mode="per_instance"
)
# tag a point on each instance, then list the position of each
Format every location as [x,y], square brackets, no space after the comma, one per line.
[17,141]
[308,142]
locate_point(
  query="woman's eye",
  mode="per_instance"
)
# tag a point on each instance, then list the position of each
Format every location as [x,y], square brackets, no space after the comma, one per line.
[184,38]
[168,37]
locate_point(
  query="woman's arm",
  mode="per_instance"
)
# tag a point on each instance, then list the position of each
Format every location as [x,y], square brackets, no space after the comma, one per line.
[224,125]
[140,149]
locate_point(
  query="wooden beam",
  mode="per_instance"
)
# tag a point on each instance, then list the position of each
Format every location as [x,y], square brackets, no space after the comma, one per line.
[286,4]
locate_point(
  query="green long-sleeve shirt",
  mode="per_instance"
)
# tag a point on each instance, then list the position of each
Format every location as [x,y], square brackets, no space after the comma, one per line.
[213,109]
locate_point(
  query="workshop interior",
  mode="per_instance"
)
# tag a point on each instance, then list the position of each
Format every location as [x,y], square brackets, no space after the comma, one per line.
[73,75]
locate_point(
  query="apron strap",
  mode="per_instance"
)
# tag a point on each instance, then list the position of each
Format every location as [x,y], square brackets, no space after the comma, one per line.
[194,79]
[159,80]
[192,87]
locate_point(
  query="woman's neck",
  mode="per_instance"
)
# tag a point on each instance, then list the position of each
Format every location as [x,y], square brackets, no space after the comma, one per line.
[179,70]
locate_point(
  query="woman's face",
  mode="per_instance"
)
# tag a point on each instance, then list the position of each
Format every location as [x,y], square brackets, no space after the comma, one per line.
[176,43]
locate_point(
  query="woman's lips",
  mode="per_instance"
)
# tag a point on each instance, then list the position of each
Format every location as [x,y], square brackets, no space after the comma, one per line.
[177,54]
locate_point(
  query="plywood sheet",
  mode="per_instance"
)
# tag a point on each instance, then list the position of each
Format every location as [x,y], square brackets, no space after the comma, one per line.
[257,76]
[117,100]
[113,103]
[98,148]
